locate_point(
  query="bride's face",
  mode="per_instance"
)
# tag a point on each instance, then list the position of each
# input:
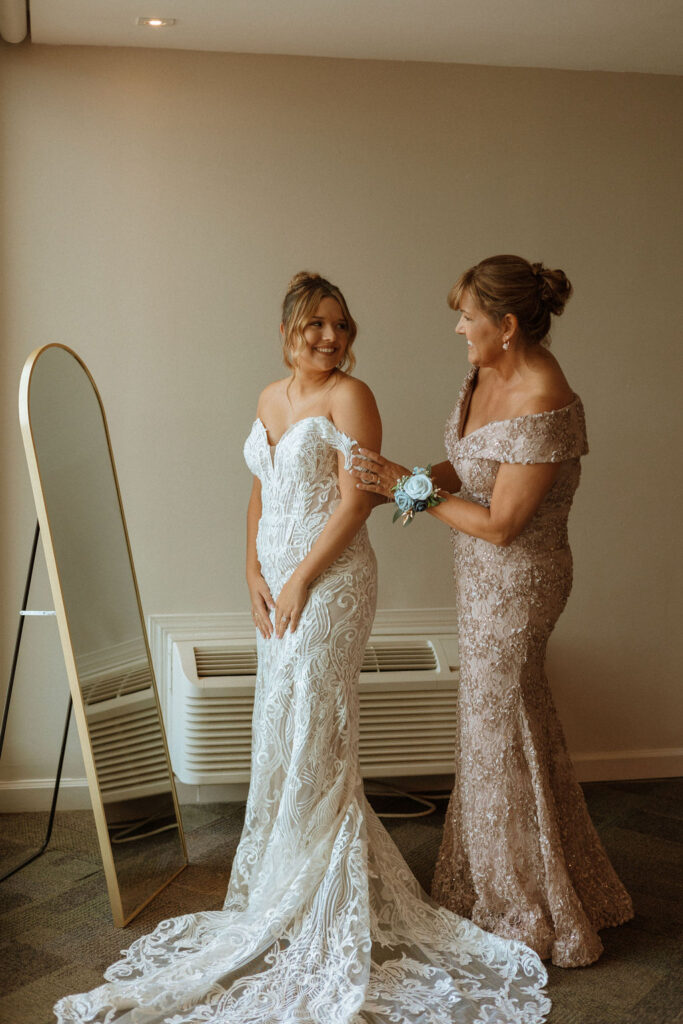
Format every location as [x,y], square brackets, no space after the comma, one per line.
[484,338]
[326,335]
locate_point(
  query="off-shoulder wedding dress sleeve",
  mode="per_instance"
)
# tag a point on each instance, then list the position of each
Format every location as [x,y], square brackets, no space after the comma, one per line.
[323,922]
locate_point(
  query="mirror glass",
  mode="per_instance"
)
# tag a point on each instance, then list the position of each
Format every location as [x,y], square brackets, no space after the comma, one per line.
[102,630]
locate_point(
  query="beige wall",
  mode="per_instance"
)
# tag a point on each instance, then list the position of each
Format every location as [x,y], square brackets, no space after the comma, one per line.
[154,205]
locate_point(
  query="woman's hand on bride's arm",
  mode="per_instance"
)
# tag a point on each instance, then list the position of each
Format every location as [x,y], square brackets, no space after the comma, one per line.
[290,603]
[376,474]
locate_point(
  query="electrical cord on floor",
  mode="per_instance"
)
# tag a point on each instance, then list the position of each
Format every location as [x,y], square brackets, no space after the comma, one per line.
[121,833]
[436,796]
[376,788]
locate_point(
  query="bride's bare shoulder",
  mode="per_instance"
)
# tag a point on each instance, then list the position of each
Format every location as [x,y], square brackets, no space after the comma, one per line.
[272,397]
[352,390]
[354,410]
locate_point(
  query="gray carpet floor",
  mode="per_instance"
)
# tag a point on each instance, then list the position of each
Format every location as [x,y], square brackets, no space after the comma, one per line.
[56,933]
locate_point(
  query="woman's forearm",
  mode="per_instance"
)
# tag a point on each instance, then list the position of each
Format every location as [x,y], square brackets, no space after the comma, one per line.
[517,494]
[475,520]
[341,528]
[445,477]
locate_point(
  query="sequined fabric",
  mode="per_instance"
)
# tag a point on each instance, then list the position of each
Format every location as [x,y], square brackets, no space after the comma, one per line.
[520,855]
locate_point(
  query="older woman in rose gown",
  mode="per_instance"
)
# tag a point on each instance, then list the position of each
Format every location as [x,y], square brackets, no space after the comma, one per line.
[520,855]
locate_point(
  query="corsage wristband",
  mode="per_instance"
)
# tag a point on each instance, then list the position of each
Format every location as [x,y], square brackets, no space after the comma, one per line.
[413,493]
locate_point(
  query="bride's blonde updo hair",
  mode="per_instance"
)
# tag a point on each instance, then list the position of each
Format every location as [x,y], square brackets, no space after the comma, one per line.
[510,284]
[305,292]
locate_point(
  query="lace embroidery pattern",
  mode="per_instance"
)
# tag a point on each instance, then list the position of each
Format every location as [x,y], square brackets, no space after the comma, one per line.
[323,922]
[520,855]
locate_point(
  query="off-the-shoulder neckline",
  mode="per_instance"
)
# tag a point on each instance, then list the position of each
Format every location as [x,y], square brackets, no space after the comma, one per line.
[467,389]
[291,426]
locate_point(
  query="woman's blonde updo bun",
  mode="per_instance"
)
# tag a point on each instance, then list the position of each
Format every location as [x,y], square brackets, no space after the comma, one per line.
[300,278]
[510,284]
[305,292]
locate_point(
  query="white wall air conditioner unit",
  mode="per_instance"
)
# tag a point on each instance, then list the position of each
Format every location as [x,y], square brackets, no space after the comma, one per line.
[123,723]
[408,689]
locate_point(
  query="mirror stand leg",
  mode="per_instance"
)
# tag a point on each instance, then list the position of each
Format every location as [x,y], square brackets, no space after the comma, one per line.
[53,806]
[3,728]
[20,630]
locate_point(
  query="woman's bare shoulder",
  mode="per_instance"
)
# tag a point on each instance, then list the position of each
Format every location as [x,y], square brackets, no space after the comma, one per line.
[547,387]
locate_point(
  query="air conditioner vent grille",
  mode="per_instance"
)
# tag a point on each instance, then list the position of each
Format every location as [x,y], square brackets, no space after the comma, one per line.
[398,656]
[417,728]
[212,662]
[120,684]
[129,753]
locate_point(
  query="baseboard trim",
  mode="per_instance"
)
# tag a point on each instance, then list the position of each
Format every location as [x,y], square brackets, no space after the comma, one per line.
[614,765]
[20,795]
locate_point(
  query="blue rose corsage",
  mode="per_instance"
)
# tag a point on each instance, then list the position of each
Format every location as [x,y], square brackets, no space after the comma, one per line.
[413,493]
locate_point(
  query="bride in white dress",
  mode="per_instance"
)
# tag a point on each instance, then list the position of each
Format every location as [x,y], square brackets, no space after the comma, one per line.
[323,922]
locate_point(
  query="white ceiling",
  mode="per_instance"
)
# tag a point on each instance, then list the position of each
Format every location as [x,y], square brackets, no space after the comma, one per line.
[607,35]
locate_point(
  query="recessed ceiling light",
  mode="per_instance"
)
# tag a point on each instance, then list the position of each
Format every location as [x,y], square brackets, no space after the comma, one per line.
[156,22]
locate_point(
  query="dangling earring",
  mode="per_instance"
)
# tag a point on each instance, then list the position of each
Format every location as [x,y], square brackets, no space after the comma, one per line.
[506,344]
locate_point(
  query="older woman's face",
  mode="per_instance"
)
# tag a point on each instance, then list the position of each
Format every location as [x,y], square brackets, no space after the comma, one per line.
[484,338]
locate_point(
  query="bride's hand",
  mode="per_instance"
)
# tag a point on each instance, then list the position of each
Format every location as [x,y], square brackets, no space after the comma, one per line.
[261,603]
[376,474]
[289,604]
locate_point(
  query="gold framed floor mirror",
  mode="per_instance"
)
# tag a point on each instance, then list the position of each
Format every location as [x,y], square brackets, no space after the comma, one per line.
[101,628]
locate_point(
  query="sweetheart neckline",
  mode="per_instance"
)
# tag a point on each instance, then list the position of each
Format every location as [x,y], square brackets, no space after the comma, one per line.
[294,424]
[272,448]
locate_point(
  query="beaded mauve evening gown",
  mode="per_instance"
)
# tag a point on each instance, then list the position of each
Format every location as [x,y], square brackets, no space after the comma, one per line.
[323,922]
[520,855]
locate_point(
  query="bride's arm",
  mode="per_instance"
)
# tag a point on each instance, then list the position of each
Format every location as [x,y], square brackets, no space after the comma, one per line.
[355,413]
[261,599]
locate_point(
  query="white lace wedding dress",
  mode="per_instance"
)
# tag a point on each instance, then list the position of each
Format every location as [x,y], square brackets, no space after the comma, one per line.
[323,922]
